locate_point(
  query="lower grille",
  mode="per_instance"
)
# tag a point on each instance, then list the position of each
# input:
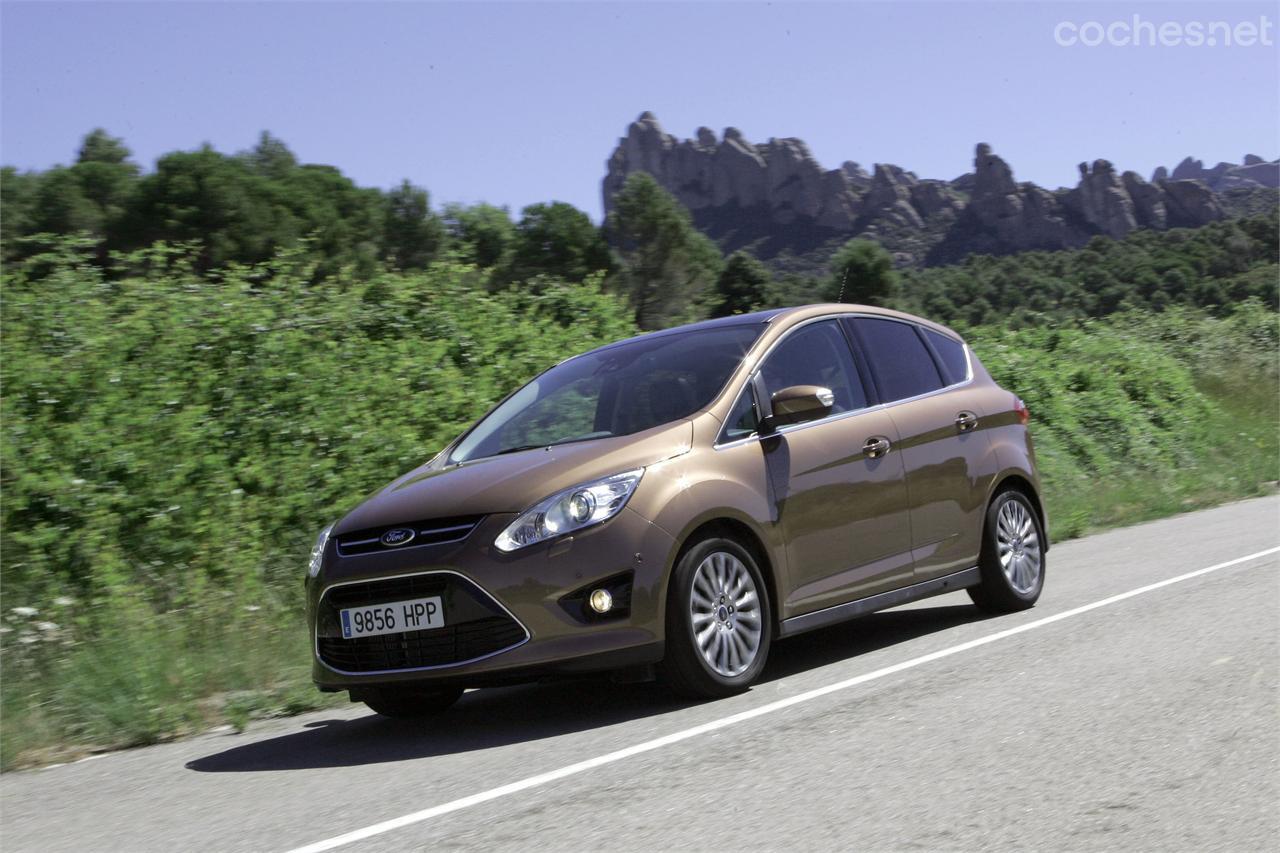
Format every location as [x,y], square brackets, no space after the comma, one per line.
[476,626]
[413,649]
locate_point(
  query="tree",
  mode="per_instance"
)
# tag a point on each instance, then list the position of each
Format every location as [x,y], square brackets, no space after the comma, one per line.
[239,215]
[481,234]
[799,289]
[98,146]
[411,234]
[667,264]
[862,272]
[342,221]
[18,192]
[61,206]
[744,285]
[270,158]
[206,197]
[106,177]
[560,241]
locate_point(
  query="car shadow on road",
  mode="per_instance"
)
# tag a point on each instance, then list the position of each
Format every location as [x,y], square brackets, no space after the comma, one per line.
[501,716]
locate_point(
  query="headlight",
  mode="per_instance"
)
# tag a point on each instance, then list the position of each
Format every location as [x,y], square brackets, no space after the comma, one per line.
[570,510]
[317,552]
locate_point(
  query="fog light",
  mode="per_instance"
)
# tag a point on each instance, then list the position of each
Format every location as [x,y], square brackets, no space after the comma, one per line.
[601,601]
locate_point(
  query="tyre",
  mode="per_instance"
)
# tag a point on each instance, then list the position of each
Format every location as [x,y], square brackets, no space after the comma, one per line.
[408,704]
[1013,559]
[719,625]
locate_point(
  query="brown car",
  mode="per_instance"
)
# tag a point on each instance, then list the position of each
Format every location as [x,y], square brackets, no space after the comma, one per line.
[683,499]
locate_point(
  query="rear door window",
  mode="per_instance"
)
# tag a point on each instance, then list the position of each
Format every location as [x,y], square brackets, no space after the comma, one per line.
[899,359]
[816,354]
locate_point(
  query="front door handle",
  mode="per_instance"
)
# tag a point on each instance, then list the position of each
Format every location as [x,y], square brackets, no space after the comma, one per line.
[966,421]
[876,447]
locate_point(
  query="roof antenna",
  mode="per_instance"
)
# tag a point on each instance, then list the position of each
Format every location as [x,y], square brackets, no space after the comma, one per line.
[845,278]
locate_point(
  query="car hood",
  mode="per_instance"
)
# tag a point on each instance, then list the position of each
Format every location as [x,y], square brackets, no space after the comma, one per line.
[512,482]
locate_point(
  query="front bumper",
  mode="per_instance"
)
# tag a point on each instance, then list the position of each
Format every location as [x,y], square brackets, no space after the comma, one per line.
[504,616]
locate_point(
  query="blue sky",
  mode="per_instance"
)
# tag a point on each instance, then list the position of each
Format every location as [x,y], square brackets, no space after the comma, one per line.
[518,103]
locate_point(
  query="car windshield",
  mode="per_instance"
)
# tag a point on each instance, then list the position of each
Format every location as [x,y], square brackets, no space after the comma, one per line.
[616,391]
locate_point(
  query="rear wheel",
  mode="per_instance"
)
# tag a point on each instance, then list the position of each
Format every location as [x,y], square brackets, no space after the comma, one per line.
[719,626]
[407,704]
[1012,562]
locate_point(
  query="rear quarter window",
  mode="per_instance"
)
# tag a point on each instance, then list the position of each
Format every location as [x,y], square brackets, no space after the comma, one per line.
[952,354]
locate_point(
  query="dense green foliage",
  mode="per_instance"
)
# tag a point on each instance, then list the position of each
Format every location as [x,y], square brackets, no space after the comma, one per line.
[248,207]
[559,240]
[1129,414]
[156,413]
[1213,267]
[241,208]
[411,235]
[172,440]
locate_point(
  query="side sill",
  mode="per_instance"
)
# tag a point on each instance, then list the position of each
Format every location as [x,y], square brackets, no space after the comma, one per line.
[870,604]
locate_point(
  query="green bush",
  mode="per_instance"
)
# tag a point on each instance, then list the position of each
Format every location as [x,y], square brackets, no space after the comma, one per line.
[172,441]
[1144,414]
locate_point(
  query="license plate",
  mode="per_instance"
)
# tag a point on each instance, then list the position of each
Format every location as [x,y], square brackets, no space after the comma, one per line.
[417,614]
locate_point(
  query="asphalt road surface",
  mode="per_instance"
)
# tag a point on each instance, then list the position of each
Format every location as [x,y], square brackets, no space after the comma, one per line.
[1135,708]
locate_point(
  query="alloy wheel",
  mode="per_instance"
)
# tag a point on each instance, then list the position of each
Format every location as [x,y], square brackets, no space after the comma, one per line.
[724,606]
[1018,546]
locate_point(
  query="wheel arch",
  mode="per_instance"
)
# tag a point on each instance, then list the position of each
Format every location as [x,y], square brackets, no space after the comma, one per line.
[731,527]
[1018,482]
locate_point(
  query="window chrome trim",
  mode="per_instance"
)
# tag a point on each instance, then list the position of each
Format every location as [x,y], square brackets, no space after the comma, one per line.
[840,415]
[315,634]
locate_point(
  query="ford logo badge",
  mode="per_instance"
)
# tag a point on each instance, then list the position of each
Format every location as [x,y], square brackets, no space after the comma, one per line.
[397,536]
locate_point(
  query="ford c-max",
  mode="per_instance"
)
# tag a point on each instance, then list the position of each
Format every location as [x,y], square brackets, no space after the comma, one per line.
[677,502]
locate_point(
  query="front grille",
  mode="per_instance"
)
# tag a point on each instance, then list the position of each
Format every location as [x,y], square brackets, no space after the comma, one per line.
[412,649]
[437,531]
[476,626]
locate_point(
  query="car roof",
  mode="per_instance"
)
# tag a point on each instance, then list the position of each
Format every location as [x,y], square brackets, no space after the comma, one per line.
[770,315]
[757,317]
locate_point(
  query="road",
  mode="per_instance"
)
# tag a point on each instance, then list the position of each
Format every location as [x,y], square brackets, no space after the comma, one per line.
[1134,708]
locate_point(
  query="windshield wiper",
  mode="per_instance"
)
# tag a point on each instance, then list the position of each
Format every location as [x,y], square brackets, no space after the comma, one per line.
[519,448]
[576,438]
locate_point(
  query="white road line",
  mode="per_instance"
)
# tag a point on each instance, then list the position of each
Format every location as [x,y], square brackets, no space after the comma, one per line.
[724,722]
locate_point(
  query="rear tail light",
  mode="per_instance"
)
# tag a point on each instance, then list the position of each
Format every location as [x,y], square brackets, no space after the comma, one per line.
[1020,409]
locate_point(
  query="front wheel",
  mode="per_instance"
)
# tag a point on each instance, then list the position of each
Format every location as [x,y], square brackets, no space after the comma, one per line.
[408,704]
[1012,562]
[719,626]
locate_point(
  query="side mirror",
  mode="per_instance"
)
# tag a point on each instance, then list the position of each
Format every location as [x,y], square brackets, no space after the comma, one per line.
[797,404]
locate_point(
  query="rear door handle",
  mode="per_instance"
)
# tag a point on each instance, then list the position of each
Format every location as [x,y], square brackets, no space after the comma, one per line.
[966,421]
[876,447]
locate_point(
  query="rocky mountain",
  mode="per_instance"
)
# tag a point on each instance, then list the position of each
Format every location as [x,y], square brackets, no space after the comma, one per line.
[1254,171]
[776,200]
